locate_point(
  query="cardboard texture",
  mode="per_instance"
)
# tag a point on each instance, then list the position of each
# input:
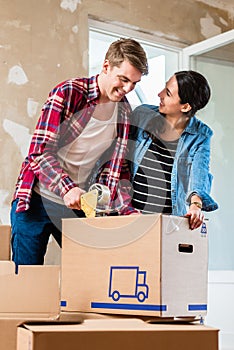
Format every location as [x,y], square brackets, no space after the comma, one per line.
[124,334]
[8,326]
[5,236]
[8,332]
[148,265]
[32,293]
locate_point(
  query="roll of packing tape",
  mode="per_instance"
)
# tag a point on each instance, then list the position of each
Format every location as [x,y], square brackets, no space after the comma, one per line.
[103,194]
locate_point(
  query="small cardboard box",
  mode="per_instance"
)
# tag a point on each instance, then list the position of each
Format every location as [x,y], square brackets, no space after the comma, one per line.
[148,265]
[5,236]
[124,334]
[32,293]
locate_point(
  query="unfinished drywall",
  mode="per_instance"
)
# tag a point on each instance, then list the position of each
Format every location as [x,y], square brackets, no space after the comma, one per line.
[44,42]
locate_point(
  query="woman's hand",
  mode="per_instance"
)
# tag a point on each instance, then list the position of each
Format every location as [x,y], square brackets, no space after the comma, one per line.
[195,216]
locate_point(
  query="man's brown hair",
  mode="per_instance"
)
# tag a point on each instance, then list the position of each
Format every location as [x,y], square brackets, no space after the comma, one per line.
[130,50]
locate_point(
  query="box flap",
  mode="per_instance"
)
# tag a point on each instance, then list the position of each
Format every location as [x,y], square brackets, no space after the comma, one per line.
[32,293]
[109,232]
[5,236]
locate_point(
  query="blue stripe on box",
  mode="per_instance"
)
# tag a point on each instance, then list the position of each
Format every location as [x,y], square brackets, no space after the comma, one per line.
[63,303]
[197,307]
[96,305]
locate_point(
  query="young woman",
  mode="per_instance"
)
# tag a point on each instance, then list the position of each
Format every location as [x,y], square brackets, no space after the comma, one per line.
[170,151]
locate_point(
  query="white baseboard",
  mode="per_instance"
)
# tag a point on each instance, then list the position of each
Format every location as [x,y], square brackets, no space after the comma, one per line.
[221,306]
[226,341]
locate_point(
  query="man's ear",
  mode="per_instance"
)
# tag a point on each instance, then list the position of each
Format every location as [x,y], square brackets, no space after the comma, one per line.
[105,66]
[185,108]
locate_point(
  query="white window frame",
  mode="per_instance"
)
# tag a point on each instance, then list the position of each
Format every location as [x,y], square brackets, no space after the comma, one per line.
[205,46]
[119,29]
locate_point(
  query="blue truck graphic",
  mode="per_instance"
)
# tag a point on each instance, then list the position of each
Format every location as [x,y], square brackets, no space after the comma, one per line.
[128,282]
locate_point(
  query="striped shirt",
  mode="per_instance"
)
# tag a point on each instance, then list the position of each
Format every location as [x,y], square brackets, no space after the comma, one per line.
[65,114]
[152,182]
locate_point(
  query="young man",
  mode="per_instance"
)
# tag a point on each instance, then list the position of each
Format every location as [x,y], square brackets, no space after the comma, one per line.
[84,120]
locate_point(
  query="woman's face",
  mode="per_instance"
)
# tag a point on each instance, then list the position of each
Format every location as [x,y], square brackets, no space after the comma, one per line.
[170,100]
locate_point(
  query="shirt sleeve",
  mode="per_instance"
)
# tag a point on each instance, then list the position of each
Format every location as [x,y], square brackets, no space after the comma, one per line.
[201,178]
[45,140]
[123,202]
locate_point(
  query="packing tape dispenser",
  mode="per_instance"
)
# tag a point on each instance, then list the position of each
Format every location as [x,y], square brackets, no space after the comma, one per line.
[95,202]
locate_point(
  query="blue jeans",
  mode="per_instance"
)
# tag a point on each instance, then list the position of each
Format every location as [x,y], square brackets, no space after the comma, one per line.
[32,228]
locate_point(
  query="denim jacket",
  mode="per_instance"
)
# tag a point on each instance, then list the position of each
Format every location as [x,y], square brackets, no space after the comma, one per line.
[190,171]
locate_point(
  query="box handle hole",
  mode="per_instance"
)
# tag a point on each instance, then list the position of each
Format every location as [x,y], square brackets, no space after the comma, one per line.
[185,248]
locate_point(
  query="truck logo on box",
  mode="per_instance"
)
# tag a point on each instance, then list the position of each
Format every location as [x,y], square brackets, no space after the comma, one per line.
[128,282]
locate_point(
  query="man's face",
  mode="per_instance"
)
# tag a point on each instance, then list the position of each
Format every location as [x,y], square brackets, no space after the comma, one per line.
[118,81]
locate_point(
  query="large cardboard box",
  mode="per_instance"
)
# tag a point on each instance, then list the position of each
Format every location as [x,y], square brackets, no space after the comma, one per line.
[150,265]
[115,334]
[5,236]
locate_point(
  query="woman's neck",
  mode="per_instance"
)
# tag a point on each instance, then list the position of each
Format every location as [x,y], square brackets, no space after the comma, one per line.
[174,127]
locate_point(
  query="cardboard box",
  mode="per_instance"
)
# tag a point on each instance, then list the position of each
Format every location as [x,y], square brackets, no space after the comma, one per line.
[32,293]
[124,334]
[5,237]
[148,265]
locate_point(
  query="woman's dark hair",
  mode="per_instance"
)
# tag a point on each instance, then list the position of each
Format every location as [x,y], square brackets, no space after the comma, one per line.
[194,89]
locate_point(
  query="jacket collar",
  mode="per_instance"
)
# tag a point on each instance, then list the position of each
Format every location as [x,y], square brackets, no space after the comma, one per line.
[191,128]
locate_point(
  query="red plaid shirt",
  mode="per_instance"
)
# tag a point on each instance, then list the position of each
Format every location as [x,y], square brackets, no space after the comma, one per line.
[65,114]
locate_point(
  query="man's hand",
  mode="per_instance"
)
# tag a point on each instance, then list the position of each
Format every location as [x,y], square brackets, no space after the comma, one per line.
[72,198]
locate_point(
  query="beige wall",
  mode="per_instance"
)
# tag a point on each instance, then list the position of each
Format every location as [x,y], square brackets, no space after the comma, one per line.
[44,42]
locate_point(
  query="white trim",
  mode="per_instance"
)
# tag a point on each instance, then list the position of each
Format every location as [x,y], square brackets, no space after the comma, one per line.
[206,45]
[211,43]
[220,306]
[150,39]
[221,276]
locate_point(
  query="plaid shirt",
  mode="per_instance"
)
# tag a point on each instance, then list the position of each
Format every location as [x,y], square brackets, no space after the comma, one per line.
[65,114]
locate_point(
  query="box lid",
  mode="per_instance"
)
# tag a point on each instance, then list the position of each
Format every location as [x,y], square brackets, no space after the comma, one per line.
[114,324]
[118,334]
